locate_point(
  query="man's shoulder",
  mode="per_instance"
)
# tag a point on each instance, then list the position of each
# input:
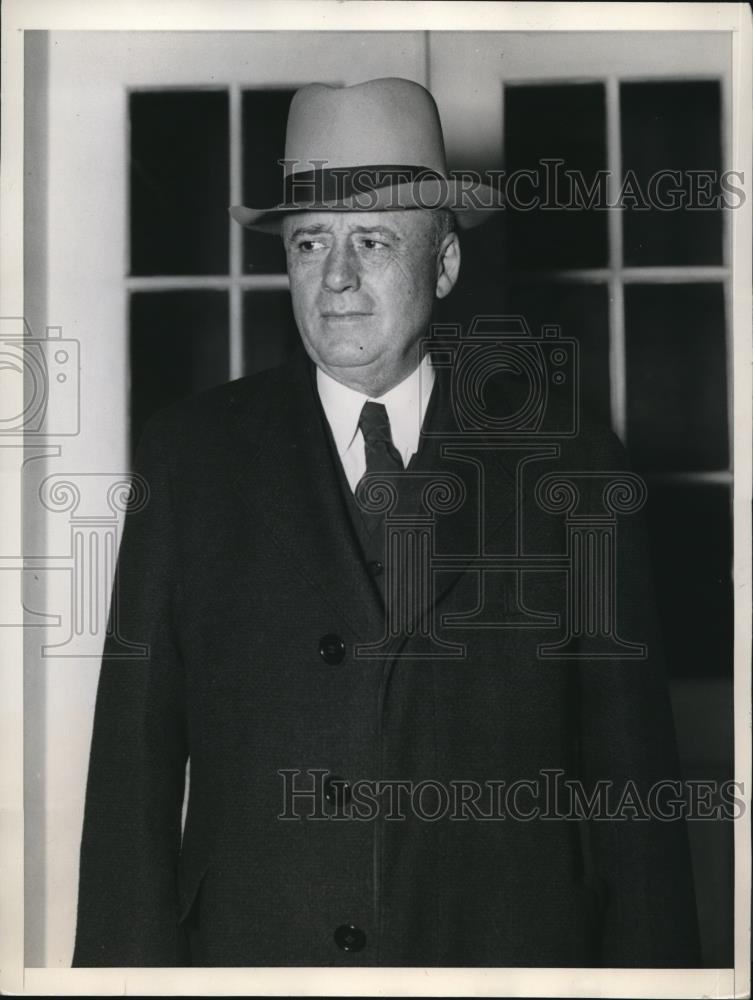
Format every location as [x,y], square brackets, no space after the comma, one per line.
[198,419]
[594,446]
[584,439]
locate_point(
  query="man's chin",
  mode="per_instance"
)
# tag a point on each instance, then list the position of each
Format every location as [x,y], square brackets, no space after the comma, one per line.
[344,357]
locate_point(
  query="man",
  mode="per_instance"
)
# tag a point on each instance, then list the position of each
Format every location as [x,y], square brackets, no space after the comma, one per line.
[353,576]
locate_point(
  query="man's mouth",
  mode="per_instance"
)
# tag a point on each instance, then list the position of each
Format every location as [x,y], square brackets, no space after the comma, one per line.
[345,315]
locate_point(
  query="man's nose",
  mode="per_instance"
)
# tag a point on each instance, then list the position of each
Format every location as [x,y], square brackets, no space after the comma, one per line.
[341,271]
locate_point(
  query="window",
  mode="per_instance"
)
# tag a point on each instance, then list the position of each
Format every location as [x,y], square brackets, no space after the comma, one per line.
[644,291]
[208,300]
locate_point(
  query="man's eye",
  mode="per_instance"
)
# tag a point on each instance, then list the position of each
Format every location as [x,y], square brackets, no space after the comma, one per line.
[309,246]
[371,243]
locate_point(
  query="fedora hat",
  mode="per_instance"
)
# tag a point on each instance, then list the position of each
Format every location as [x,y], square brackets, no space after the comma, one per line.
[375,146]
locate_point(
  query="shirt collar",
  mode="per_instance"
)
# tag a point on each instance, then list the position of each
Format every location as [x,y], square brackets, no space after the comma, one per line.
[405,402]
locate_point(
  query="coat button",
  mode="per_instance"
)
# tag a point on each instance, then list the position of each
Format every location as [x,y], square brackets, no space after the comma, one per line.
[336,790]
[376,567]
[350,938]
[331,648]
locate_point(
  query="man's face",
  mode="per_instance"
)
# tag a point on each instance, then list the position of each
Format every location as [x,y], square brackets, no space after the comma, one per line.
[363,285]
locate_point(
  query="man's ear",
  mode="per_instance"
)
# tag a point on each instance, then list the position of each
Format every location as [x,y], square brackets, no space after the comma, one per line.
[448,265]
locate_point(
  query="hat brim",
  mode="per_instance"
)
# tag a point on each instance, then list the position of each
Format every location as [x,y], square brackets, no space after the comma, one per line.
[471,205]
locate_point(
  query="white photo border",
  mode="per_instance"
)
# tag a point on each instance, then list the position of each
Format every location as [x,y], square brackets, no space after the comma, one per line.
[255,15]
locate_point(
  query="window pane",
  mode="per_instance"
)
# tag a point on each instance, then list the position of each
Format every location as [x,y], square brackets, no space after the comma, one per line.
[672,127]
[582,312]
[269,330]
[179,346]
[179,182]
[546,123]
[265,115]
[676,376]
[691,547]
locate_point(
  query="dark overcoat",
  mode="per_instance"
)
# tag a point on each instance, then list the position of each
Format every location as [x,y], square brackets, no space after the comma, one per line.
[243,577]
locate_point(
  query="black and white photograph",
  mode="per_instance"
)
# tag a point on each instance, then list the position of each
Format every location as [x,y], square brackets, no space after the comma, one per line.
[375,413]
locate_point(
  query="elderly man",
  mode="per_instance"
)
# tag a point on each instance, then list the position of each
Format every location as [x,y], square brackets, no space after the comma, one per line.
[355,587]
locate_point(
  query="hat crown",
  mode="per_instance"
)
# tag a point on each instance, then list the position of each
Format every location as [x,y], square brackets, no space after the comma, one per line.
[389,121]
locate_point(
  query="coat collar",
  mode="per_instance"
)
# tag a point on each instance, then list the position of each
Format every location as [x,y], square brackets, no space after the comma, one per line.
[405,404]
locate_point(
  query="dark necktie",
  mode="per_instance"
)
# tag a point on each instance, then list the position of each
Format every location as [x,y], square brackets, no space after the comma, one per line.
[381,454]
[381,457]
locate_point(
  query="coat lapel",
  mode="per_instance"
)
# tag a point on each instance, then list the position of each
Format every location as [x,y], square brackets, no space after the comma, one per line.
[481,479]
[290,484]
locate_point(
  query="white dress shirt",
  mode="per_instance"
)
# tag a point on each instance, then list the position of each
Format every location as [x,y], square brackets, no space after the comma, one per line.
[406,405]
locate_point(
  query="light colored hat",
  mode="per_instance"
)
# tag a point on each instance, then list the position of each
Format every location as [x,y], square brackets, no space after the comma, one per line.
[373,146]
